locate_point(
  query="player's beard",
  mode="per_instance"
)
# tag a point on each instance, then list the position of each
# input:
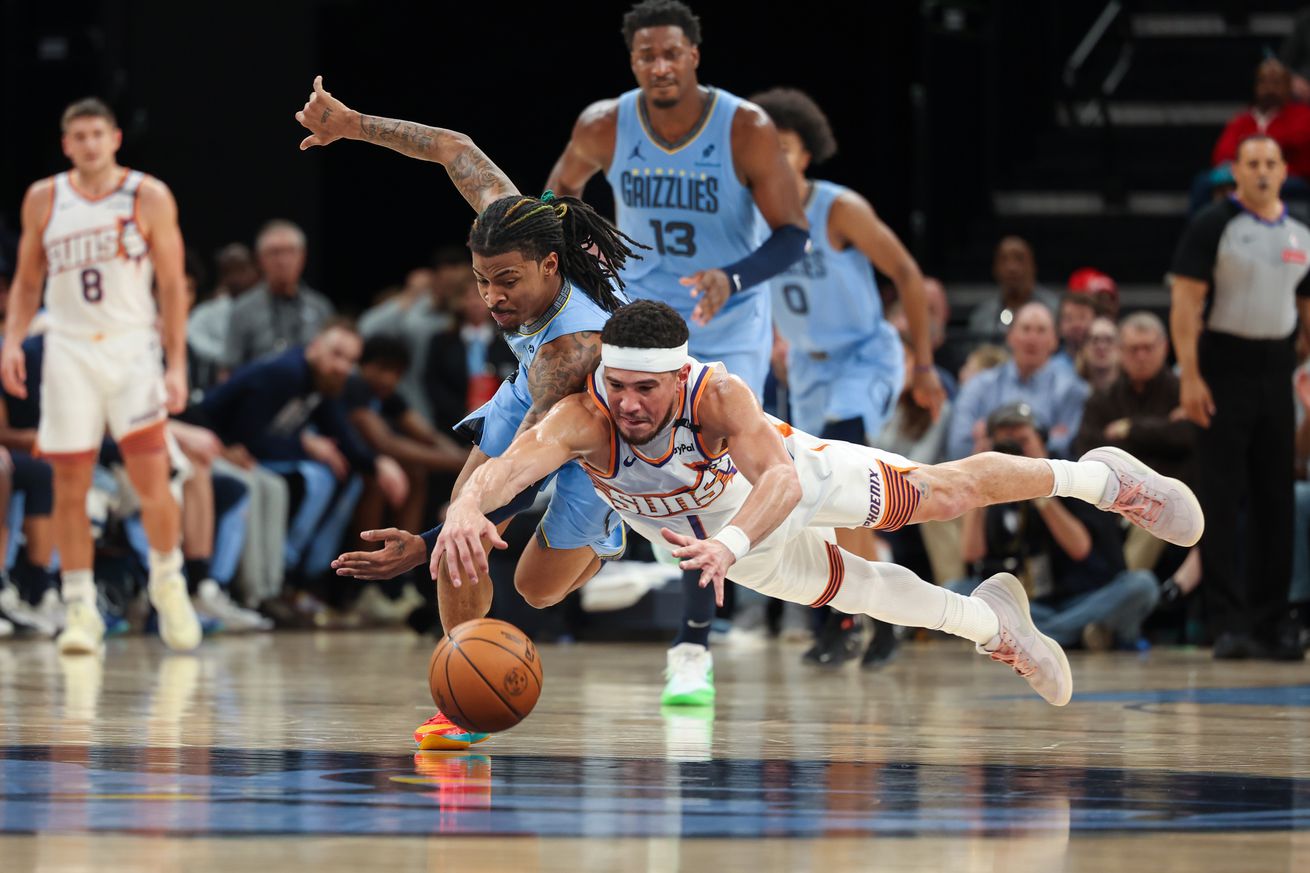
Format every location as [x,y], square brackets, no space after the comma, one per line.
[668,417]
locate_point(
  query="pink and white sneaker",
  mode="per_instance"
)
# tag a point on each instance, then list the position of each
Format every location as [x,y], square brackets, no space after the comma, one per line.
[1157,504]
[1033,655]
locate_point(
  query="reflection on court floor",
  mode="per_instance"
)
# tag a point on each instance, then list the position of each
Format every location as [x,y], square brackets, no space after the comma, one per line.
[191,791]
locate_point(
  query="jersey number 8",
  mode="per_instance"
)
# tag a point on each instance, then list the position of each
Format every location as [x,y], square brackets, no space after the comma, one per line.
[92,289]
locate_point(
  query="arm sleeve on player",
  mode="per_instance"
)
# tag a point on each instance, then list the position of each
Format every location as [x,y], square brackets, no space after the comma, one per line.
[784,247]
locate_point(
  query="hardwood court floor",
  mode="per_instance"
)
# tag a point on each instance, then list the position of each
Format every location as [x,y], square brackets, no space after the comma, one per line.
[292,752]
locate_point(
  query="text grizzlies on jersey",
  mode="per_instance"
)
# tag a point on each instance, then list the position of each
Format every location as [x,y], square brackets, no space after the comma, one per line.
[691,193]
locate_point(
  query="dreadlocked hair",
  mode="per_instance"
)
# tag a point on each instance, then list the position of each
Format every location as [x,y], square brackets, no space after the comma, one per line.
[564,225]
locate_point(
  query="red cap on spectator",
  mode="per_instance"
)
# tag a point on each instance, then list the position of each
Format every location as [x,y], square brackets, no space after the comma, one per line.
[1089,280]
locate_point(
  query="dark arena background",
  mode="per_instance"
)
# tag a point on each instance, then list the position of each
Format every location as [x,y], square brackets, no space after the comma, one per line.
[1093,156]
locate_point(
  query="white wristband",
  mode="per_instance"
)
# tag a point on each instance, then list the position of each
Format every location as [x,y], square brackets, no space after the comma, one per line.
[735,539]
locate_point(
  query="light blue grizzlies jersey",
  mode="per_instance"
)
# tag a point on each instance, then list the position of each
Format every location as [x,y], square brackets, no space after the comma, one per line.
[684,200]
[576,517]
[845,361]
[572,311]
[829,298]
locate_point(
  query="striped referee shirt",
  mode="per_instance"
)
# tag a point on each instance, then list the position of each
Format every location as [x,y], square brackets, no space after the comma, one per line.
[1255,269]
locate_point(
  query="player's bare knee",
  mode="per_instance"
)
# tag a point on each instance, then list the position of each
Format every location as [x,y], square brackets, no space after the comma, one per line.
[536,597]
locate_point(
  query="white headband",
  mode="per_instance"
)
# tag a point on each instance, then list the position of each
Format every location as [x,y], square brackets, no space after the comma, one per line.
[643,360]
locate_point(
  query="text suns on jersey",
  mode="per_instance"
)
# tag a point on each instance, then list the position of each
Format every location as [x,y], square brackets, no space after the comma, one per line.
[712,480]
[97,245]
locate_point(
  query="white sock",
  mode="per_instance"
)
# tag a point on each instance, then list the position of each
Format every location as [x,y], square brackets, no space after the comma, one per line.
[164,565]
[895,595]
[1085,480]
[78,585]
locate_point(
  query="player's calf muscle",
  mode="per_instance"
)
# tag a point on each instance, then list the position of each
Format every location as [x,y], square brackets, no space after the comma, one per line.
[945,492]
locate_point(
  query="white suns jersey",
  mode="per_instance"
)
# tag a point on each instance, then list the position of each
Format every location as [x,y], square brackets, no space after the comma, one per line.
[675,480]
[98,269]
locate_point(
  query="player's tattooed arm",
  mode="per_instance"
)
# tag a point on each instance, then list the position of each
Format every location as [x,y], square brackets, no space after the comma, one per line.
[560,369]
[474,174]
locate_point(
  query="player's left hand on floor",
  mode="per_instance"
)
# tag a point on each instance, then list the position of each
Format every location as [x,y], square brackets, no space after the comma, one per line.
[711,557]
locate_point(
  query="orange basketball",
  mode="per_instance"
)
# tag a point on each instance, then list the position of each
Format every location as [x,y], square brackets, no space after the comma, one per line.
[485,675]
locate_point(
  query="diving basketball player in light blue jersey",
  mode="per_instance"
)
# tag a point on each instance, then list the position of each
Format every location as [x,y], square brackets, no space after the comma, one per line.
[692,169]
[545,269]
[845,363]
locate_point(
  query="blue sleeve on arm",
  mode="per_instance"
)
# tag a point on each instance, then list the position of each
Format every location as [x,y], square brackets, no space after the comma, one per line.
[784,247]
[521,502]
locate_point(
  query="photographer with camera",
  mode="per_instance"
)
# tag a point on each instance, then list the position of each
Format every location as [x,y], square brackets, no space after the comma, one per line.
[1068,556]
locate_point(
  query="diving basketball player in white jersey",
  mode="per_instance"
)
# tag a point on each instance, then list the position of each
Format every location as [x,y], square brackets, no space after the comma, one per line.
[683,452]
[99,234]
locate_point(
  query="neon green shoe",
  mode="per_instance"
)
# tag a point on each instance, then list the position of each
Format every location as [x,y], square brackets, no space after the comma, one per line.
[690,675]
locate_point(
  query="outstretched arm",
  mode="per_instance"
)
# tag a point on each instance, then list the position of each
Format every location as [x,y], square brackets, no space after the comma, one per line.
[572,429]
[729,411]
[480,181]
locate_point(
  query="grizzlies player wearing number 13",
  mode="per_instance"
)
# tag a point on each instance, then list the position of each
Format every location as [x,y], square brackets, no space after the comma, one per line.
[693,168]
[99,235]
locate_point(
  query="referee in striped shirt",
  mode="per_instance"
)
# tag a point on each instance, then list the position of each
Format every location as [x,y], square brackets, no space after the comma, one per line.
[1239,281]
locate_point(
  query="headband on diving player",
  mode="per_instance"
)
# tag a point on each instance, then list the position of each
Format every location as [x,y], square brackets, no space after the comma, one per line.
[643,360]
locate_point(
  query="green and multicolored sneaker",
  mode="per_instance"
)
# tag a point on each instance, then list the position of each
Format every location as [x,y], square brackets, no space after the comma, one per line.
[690,675]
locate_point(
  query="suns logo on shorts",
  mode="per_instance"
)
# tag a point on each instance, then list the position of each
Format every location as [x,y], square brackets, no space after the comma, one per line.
[712,480]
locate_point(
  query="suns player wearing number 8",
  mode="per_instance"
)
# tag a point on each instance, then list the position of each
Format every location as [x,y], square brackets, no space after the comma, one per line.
[692,168]
[845,363]
[99,235]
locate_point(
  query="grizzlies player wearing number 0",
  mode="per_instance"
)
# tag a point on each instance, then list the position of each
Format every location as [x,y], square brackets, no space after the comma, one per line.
[692,168]
[98,235]
[845,363]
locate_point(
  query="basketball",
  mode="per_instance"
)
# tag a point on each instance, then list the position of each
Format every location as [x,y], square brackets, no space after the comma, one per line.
[485,675]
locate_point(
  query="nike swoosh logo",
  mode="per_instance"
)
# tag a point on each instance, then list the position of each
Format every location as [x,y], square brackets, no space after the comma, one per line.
[628,462]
